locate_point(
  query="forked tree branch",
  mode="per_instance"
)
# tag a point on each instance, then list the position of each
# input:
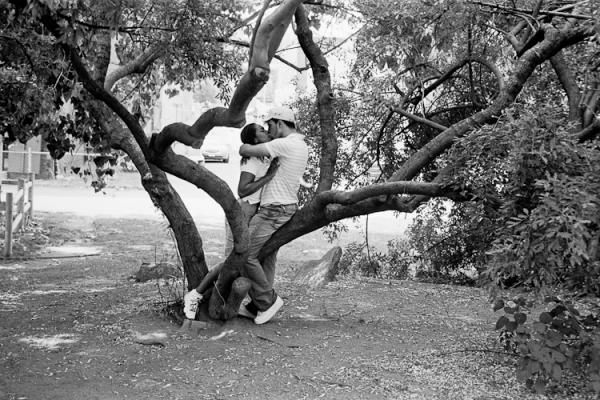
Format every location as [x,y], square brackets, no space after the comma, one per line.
[138,65]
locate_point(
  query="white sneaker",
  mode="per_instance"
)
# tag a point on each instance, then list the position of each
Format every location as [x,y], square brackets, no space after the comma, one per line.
[265,316]
[190,303]
[244,312]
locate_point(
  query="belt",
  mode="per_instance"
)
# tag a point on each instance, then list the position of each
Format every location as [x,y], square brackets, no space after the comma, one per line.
[280,207]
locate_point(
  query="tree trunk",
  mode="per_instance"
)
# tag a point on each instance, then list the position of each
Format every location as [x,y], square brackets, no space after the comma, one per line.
[162,194]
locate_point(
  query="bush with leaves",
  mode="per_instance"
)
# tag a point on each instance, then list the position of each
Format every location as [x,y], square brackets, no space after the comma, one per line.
[452,238]
[561,338]
[547,241]
[551,218]
[359,259]
[533,223]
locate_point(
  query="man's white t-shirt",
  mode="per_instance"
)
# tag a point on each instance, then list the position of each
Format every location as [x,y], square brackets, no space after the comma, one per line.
[258,167]
[292,152]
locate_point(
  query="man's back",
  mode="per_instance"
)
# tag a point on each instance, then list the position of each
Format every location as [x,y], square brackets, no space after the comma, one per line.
[292,152]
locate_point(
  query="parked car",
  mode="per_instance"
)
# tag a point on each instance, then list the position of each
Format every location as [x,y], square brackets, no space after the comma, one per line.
[189,152]
[215,152]
[196,156]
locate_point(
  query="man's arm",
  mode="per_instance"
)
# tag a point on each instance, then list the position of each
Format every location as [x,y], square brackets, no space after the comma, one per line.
[256,150]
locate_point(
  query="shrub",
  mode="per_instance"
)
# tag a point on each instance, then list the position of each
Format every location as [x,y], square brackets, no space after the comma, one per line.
[550,230]
[561,338]
[360,261]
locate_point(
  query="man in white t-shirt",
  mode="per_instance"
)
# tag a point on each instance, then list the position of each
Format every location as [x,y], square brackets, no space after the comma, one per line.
[278,203]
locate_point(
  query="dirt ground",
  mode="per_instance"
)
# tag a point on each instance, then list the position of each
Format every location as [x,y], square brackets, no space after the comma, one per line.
[71,326]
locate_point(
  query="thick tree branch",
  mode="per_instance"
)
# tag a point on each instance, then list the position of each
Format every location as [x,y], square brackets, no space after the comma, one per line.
[387,189]
[569,84]
[325,100]
[591,98]
[259,18]
[137,65]
[589,132]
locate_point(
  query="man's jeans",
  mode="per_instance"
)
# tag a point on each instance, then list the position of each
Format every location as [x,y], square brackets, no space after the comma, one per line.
[268,219]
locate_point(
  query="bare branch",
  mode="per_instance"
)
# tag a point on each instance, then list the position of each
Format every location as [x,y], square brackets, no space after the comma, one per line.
[418,119]
[341,43]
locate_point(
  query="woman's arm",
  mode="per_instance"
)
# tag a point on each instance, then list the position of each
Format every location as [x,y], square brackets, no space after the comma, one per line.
[248,185]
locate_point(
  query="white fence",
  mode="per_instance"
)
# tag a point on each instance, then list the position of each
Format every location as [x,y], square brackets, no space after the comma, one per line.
[17,208]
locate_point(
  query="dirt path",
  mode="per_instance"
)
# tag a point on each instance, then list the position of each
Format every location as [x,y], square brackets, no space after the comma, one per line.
[69,329]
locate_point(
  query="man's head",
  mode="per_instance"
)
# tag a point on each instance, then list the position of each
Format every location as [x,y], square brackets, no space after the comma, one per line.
[281,122]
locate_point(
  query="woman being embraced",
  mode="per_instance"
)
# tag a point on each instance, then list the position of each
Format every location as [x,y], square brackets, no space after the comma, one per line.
[255,172]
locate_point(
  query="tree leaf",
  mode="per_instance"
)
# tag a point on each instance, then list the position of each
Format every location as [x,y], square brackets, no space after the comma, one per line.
[501,323]
[520,318]
[540,327]
[556,372]
[545,318]
[553,339]
[511,326]
[558,356]
[540,387]
[498,304]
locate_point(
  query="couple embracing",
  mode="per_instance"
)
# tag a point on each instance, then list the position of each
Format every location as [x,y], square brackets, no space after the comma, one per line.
[272,166]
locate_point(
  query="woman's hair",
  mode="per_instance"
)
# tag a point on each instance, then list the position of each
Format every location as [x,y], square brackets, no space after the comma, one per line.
[248,136]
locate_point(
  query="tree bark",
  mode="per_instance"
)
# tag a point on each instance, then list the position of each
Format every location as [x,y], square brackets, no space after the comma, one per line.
[567,80]
[325,100]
